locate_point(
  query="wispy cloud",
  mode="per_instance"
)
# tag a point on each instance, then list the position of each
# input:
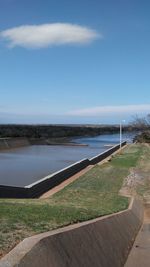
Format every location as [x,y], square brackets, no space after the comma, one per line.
[110,110]
[39,36]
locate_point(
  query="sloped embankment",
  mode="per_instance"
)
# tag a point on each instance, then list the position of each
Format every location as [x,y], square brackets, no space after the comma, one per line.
[100,242]
[8,143]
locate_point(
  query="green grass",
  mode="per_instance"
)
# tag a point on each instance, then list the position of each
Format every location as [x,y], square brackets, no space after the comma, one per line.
[92,195]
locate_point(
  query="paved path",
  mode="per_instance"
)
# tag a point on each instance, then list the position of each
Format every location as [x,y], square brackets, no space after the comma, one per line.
[140,252]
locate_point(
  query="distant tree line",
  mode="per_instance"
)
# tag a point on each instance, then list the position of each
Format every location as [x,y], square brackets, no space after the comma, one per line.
[54,131]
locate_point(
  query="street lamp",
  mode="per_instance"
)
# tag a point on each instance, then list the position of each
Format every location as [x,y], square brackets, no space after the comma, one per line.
[121,132]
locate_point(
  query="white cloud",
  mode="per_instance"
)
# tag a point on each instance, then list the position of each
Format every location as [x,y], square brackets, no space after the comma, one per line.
[110,110]
[38,36]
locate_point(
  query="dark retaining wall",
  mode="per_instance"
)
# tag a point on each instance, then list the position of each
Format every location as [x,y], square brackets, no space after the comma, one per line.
[105,154]
[38,188]
[41,186]
[13,192]
[102,242]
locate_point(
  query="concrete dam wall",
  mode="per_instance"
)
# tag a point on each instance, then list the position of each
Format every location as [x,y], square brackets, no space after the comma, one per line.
[43,185]
[102,242]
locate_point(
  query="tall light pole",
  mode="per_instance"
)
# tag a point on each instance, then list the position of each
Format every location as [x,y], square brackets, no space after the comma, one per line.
[121,132]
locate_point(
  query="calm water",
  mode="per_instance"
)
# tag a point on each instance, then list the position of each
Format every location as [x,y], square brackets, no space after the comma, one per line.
[23,166]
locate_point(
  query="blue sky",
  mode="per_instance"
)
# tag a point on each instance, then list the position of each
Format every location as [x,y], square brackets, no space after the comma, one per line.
[65,61]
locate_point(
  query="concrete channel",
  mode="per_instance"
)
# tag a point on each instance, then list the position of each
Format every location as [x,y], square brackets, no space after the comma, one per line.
[102,242]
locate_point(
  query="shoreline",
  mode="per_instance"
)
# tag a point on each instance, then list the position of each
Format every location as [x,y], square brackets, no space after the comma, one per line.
[18,142]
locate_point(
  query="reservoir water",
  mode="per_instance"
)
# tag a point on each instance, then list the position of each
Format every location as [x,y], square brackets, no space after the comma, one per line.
[25,165]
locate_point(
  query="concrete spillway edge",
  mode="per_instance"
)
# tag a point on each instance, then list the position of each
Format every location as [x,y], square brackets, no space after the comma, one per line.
[102,242]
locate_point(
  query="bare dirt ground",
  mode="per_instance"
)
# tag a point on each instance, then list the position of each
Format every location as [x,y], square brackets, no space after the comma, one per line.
[131,182]
[138,181]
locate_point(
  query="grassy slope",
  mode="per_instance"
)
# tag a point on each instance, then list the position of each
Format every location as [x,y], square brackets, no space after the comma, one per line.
[143,170]
[94,194]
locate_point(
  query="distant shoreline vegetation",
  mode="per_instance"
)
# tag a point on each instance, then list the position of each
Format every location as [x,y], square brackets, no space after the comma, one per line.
[57,131]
